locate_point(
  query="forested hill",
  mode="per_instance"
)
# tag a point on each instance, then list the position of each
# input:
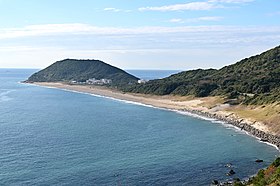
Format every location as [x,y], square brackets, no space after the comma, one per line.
[256,78]
[82,70]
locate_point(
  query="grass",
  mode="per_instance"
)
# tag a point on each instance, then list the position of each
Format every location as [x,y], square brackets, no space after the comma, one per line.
[268,114]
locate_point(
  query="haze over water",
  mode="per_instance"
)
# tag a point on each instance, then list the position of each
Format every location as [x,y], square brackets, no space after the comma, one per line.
[56,137]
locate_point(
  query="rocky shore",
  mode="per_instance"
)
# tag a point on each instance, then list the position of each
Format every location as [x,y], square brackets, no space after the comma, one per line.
[263,136]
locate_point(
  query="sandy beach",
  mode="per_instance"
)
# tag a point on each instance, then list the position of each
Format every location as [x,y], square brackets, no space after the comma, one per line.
[168,102]
[213,107]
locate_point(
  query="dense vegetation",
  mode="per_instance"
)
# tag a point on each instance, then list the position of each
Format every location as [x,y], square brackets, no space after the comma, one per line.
[82,70]
[269,176]
[253,80]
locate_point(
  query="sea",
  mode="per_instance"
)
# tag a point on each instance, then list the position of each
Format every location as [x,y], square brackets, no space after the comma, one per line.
[56,137]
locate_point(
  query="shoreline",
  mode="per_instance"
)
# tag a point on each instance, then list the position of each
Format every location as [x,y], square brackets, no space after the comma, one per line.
[263,137]
[176,104]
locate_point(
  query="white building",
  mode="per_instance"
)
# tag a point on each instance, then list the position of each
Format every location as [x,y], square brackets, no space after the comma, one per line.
[94,81]
[140,81]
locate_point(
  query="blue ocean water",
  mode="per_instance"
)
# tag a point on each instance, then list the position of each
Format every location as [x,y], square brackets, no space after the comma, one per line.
[55,137]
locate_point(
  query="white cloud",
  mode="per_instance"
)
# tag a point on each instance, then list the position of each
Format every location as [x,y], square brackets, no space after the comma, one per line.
[201,5]
[47,29]
[112,9]
[85,29]
[138,47]
[231,1]
[209,18]
[197,19]
[178,7]
[206,18]
[176,20]
[274,13]
[17,48]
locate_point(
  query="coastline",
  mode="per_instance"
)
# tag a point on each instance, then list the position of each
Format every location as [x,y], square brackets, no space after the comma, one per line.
[193,106]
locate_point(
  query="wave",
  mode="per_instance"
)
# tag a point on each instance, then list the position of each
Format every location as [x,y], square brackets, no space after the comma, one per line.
[214,120]
[195,115]
[4,95]
[6,91]
[101,96]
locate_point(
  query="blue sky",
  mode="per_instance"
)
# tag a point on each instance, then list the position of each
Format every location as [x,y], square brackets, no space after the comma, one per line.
[138,34]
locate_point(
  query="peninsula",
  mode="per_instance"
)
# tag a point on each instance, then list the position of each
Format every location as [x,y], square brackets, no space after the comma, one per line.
[72,70]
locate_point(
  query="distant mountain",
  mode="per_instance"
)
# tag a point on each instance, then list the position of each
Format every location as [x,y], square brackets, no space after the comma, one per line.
[82,70]
[256,79]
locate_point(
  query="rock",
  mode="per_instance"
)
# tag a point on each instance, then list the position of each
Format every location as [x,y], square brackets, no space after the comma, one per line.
[264,140]
[236,179]
[228,165]
[259,160]
[230,173]
[265,137]
[215,182]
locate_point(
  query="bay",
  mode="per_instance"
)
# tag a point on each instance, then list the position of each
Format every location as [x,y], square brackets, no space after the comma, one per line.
[55,137]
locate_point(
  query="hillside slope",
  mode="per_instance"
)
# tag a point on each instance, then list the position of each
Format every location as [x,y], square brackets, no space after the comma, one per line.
[256,79]
[81,70]
[269,176]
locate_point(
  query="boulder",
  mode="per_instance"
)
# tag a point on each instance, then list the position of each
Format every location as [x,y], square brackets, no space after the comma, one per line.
[230,173]
[259,160]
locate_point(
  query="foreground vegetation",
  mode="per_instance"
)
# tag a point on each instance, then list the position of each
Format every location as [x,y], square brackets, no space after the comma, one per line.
[269,176]
[254,80]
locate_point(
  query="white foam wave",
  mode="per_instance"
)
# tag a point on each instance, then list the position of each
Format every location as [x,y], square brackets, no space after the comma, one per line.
[194,115]
[4,95]
[101,96]
[5,98]
[270,144]
[226,125]
[4,92]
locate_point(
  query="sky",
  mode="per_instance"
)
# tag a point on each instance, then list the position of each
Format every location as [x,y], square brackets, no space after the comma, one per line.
[137,34]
